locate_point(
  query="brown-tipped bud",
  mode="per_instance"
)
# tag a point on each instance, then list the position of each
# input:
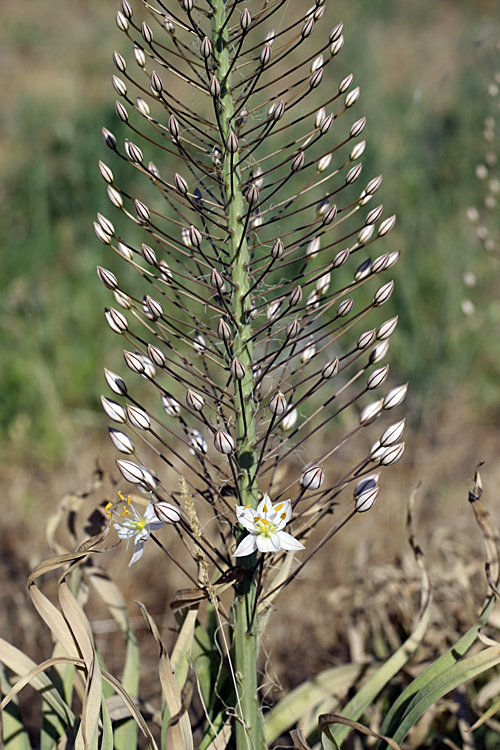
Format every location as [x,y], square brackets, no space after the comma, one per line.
[140,57]
[115,197]
[313,478]
[142,212]
[278,404]
[115,383]
[393,434]
[121,112]
[374,215]
[126,9]
[206,48]
[237,369]
[246,20]
[353,174]
[130,472]
[370,413]
[133,152]
[295,296]
[313,247]
[199,343]
[232,143]
[252,195]
[319,12]
[223,442]
[106,225]
[116,320]
[330,215]
[194,400]
[298,162]
[155,84]
[352,97]
[107,278]
[121,21]
[180,184]
[324,163]
[336,46]
[223,330]
[174,127]
[188,5]
[396,396]
[122,299]
[134,362]
[307,28]
[331,369]
[387,329]
[326,124]
[153,307]
[195,236]
[138,417]
[293,329]
[358,127]
[214,87]
[171,407]
[122,442]
[377,377]
[380,263]
[378,352]
[357,151]
[383,294]
[149,255]
[392,455]
[147,33]
[217,280]
[265,54]
[373,185]
[341,258]
[386,226]
[114,410]
[277,249]
[345,307]
[346,83]
[156,355]
[119,62]
[109,139]
[316,79]
[365,340]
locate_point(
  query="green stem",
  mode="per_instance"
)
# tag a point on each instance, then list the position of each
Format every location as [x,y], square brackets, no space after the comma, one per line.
[249,720]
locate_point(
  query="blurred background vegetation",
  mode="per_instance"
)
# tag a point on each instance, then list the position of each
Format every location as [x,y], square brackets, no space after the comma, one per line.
[424,69]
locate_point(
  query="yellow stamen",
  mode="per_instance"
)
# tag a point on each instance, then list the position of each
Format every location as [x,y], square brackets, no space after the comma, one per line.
[278,507]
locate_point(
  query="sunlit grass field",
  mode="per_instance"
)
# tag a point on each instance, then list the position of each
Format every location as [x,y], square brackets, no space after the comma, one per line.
[424,71]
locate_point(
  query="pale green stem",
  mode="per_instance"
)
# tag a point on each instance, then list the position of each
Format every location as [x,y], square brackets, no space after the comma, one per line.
[249,721]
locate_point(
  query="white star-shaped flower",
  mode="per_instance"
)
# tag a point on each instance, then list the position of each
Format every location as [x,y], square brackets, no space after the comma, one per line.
[137,527]
[266,528]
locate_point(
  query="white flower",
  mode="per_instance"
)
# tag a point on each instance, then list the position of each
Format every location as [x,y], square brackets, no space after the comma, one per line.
[137,527]
[265,526]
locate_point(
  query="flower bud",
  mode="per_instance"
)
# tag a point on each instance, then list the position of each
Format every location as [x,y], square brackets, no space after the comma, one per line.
[142,212]
[313,247]
[386,226]
[171,407]
[115,383]
[380,263]
[198,442]
[245,20]
[392,455]
[367,483]
[324,163]
[295,296]
[357,151]
[357,128]
[378,352]
[383,294]
[130,471]
[290,419]
[366,500]
[331,369]
[125,251]
[134,362]
[336,46]
[387,329]
[396,396]
[365,340]
[377,377]
[346,83]
[237,369]
[140,57]
[265,54]
[323,283]
[223,442]
[105,172]
[153,307]
[107,278]
[206,48]
[273,310]
[114,410]
[232,143]
[223,330]
[341,258]
[298,162]
[277,249]
[345,307]
[156,355]
[313,478]
[392,434]
[370,413]
[352,97]
[166,512]
[194,400]
[309,352]
[138,417]
[122,442]
[116,320]
[293,329]
[199,344]
[278,404]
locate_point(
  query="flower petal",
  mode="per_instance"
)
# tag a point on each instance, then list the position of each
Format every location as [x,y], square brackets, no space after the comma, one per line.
[268,543]
[264,507]
[287,541]
[246,517]
[247,546]
[139,551]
